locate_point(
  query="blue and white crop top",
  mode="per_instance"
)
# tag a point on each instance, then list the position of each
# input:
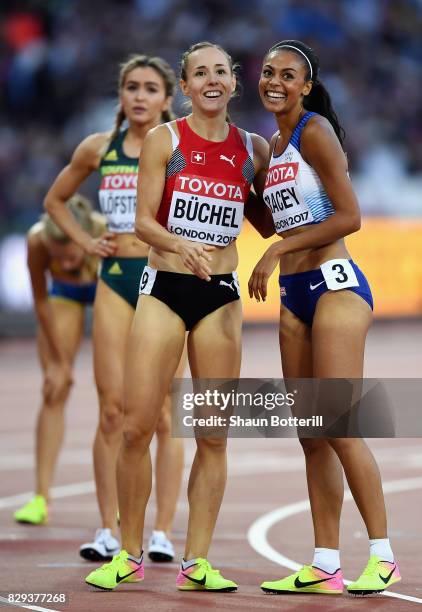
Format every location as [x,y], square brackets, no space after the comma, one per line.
[293,190]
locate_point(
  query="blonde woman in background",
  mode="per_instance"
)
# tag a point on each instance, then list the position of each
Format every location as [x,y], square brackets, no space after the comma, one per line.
[63,282]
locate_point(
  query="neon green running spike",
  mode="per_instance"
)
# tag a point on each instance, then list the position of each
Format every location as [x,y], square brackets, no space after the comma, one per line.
[34,512]
[377,576]
[308,579]
[202,577]
[120,569]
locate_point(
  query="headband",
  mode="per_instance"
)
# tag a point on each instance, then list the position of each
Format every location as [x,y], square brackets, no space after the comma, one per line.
[299,51]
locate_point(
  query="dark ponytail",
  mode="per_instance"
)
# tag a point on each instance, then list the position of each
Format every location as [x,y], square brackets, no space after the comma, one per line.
[318,100]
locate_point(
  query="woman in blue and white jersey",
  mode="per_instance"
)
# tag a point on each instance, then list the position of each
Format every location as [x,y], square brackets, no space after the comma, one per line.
[326,305]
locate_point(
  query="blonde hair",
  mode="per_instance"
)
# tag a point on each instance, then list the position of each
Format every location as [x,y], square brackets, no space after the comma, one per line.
[145,61]
[81,209]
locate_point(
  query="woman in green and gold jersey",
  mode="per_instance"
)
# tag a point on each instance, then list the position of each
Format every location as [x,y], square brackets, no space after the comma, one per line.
[146,88]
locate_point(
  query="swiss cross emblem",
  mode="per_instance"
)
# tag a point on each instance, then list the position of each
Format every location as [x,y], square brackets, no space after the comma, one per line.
[197,157]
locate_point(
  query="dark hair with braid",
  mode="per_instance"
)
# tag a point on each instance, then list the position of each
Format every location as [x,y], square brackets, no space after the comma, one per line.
[145,61]
[234,67]
[318,100]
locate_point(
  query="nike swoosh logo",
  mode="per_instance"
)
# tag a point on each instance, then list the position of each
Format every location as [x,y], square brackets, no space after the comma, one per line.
[109,549]
[385,580]
[312,287]
[299,584]
[120,578]
[202,581]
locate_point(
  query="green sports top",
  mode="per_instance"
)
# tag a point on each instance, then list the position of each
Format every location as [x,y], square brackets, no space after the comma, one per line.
[117,194]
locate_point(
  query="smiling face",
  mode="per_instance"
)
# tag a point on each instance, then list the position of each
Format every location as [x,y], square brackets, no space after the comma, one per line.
[283,83]
[143,96]
[209,82]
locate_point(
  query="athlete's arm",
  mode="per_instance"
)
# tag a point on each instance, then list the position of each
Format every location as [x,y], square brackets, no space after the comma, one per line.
[256,212]
[85,160]
[321,149]
[58,371]
[156,151]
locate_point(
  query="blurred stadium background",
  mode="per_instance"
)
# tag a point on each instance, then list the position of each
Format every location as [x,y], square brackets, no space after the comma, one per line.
[58,71]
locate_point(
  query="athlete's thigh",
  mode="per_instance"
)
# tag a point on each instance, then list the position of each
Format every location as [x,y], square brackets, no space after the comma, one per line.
[341,323]
[295,345]
[154,350]
[111,326]
[215,343]
[69,321]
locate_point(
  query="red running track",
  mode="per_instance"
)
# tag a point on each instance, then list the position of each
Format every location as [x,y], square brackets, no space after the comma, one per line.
[264,476]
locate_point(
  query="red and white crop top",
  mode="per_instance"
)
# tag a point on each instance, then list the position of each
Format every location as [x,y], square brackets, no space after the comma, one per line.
[207,185]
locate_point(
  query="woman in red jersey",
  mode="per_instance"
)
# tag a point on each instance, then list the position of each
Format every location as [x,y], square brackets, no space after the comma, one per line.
[195,177]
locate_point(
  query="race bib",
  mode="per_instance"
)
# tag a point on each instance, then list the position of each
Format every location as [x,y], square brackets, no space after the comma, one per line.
[117,197]
[147,280]
[284,198]
[339,274]
[206,210]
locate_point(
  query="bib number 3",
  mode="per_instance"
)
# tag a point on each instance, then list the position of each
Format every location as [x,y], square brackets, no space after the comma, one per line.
[339,274]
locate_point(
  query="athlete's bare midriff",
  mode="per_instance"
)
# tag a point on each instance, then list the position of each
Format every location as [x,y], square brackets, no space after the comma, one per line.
[224,260]
[310,259]
[128,245]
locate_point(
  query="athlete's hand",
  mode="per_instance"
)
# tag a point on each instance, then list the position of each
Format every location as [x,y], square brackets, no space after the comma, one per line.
[196,257]
[104,246]
[258,281]
[57,380]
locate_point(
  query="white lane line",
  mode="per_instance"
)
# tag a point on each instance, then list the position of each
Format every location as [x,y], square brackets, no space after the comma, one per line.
[257,534]
[27,606]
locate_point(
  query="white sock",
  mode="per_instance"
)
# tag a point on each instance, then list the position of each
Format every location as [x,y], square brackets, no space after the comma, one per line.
[136,559]
[327,559]
[382,549]
[188,563]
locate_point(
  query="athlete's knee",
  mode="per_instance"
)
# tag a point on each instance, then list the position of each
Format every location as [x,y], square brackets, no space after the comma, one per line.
[54,397]
[212,445]
[136,436]
[311,446]
[111,413]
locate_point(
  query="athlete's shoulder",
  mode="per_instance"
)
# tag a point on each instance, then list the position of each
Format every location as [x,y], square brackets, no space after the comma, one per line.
[91,149]
[95,142]
[317,126]
[319,143]
[35,234]
[161,133]
[259,143]
[157,141]
[37,251]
